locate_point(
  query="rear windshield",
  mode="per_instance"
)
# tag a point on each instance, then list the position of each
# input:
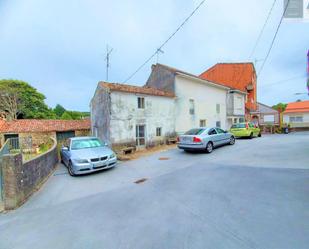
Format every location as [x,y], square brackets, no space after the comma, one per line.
[238,126]
[195,132]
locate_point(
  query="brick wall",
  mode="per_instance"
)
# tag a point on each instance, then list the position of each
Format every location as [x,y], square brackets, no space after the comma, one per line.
[21,180]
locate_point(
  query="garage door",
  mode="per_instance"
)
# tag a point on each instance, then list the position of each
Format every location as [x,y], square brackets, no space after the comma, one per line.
[62,136]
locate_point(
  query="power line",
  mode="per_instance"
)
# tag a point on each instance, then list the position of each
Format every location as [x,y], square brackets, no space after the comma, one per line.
[262,30]
[285,80]
[274,38]
[258,38]
[166,41]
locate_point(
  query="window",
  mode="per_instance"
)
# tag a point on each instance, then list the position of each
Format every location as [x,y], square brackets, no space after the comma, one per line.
[159,132]
[220,131]
[195,132]
[235,120]
[296,119]
[218,124]
[212,132]
[141,103]
[218,108]
[191,106]
[203,123]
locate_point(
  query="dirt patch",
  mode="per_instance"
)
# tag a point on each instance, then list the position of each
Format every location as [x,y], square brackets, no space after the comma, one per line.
[147,152]
[141,181]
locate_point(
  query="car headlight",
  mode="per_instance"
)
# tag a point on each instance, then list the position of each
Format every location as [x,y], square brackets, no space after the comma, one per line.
[80,160]
[112,155]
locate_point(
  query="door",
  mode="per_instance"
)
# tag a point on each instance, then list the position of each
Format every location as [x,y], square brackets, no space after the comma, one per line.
[214,136]
[223,137]
[140,135]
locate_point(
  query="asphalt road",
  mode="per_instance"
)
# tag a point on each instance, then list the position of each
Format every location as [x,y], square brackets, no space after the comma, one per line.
[254,194]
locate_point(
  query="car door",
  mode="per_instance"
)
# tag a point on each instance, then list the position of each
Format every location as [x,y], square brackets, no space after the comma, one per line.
[66,153]
[213,136]
[223,137]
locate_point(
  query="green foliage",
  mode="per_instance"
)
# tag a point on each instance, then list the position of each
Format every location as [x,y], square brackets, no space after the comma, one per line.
[280,107]
[59,110]
[66,116]
[30,102]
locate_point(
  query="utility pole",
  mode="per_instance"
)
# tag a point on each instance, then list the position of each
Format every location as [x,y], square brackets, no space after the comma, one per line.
[108,53]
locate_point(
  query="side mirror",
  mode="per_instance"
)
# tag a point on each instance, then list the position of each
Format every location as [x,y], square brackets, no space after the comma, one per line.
[65,148]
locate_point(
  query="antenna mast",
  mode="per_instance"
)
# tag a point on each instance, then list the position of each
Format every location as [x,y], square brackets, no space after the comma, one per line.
[108,53]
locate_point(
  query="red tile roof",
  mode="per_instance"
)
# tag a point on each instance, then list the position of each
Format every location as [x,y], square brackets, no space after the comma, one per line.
[42,125]
[295,107]
[235,75]
[136,89]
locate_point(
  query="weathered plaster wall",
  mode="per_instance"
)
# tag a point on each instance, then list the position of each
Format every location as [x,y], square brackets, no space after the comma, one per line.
[100,114]
[161,78]
[125,115]
[205,99]
[82,133]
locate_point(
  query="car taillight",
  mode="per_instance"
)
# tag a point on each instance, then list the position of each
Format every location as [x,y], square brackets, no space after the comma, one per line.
[197,140]
[247,126]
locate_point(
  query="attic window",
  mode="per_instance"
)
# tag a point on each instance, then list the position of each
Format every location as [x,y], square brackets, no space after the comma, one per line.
[141,102]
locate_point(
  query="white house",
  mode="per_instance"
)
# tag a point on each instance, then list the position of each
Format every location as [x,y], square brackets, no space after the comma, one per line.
[198,102]
[131,115]
[172,101]
[296,115]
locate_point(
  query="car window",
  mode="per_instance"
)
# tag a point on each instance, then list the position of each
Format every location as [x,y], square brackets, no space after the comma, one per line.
[85,143]
[251,125]
[220,131]
[238,126]
[195,131]
[212,132]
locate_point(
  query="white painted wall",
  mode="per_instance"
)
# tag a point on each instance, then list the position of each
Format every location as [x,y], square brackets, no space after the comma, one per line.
[158,112]
[205,99]
[305,123]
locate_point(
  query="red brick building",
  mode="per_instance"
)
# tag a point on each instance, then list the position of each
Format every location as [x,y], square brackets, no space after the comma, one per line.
[240,76]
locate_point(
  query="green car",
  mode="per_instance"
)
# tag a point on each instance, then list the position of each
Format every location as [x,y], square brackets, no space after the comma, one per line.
[245,130]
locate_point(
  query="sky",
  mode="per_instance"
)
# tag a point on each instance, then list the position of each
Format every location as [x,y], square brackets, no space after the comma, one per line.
[59,46]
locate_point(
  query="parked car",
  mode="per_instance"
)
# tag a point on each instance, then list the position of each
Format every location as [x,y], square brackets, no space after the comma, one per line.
[83,155]
[247,129]
[204,139]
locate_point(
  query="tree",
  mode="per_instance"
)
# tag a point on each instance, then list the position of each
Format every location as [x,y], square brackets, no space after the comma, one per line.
[66,116]
[59,110]
[20,100]
[280,107]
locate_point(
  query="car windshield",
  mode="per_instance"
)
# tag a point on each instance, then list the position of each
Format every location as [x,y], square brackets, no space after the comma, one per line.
[197,131]
[238,126]
[86,143]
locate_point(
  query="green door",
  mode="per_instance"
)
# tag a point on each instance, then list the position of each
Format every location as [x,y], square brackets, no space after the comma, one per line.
[63,135]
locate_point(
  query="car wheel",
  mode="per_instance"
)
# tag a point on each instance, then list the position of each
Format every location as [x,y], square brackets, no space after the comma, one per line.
[260,134]
[209,147]
[70,170]
[232,140]
[251,135]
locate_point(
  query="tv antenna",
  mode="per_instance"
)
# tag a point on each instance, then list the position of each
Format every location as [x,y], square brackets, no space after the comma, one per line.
[108,53]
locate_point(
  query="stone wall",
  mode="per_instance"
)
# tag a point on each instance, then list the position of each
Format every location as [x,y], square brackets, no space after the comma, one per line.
[82,133]
[21,180]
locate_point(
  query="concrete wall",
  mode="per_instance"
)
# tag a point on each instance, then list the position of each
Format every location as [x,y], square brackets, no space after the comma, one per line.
[304,124]
[21,180]
[205,99]
[161,78]
[125,115]
[100,114]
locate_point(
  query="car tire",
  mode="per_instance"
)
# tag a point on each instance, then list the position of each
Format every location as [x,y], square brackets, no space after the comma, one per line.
[232,140]
[260,134]
[209,147]
[251,135]
[71,173]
